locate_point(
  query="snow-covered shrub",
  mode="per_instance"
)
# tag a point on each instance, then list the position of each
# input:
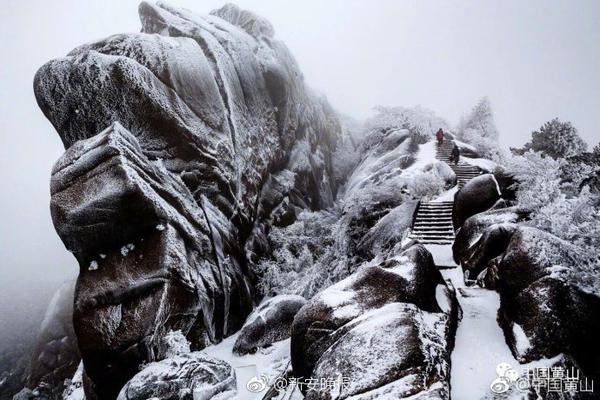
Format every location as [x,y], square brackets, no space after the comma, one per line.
[557,203]
[428,182]
[305,257]
[555,139]
[175,344]
[420,122]
[479,129]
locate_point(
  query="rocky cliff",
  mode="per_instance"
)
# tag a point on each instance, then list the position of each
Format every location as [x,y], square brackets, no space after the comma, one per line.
[184,143]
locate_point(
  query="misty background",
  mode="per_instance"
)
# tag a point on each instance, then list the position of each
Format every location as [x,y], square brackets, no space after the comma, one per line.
[535,60]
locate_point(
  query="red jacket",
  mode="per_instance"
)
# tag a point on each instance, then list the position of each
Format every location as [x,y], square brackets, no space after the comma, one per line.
[439,135]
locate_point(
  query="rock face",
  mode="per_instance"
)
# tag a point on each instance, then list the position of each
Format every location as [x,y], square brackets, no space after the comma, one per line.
[183,377]
[269,323]
[475,226]
[387,328]
[543,311]
[184,142]
[56,355]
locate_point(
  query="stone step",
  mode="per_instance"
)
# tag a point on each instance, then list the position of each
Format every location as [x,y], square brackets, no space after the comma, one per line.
[433,236]
[444,227]
[433,239]
[434,233]
[440,242]
[445,232]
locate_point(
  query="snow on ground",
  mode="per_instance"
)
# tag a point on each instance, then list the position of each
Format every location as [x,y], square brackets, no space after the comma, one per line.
[425,155]
[465,145]
[480,345]
[269,362]
[442,254]
[483,163]
[448,195]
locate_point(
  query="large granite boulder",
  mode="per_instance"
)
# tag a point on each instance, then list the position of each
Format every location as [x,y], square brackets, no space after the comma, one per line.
[474,227]
[492,243]
[184,142]
[479,194]
[269,323]
[385,328]
[183,377]
[547,299]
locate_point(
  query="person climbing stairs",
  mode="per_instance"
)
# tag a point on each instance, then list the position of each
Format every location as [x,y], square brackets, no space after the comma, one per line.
[464,172]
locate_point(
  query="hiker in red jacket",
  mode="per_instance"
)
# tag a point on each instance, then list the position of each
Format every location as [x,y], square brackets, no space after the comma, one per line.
[440,136]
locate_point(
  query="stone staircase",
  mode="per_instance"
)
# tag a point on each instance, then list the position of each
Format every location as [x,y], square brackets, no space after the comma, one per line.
[464,172]
[433,220]
[443,152]
[433,223]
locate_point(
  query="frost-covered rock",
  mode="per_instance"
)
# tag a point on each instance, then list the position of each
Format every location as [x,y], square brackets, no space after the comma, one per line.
[492,243]
[545,305]
[185,144]
[532,254]
[396,351]
[55,356]
[365,317]
[474,227]
[478,194]
[183,377]
[269,323]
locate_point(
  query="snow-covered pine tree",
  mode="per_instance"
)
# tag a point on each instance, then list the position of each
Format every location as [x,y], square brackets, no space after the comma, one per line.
[479,129]
[555,139]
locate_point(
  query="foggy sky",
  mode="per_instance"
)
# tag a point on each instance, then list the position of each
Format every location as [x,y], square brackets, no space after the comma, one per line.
[535,60]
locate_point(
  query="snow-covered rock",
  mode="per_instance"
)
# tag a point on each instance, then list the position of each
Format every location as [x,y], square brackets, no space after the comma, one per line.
[492,243]
[478,194]
[269,323]
[387,312]
[184,377]
[474,227]
[55,356]
[395,351]
[545,308]
[185,144]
